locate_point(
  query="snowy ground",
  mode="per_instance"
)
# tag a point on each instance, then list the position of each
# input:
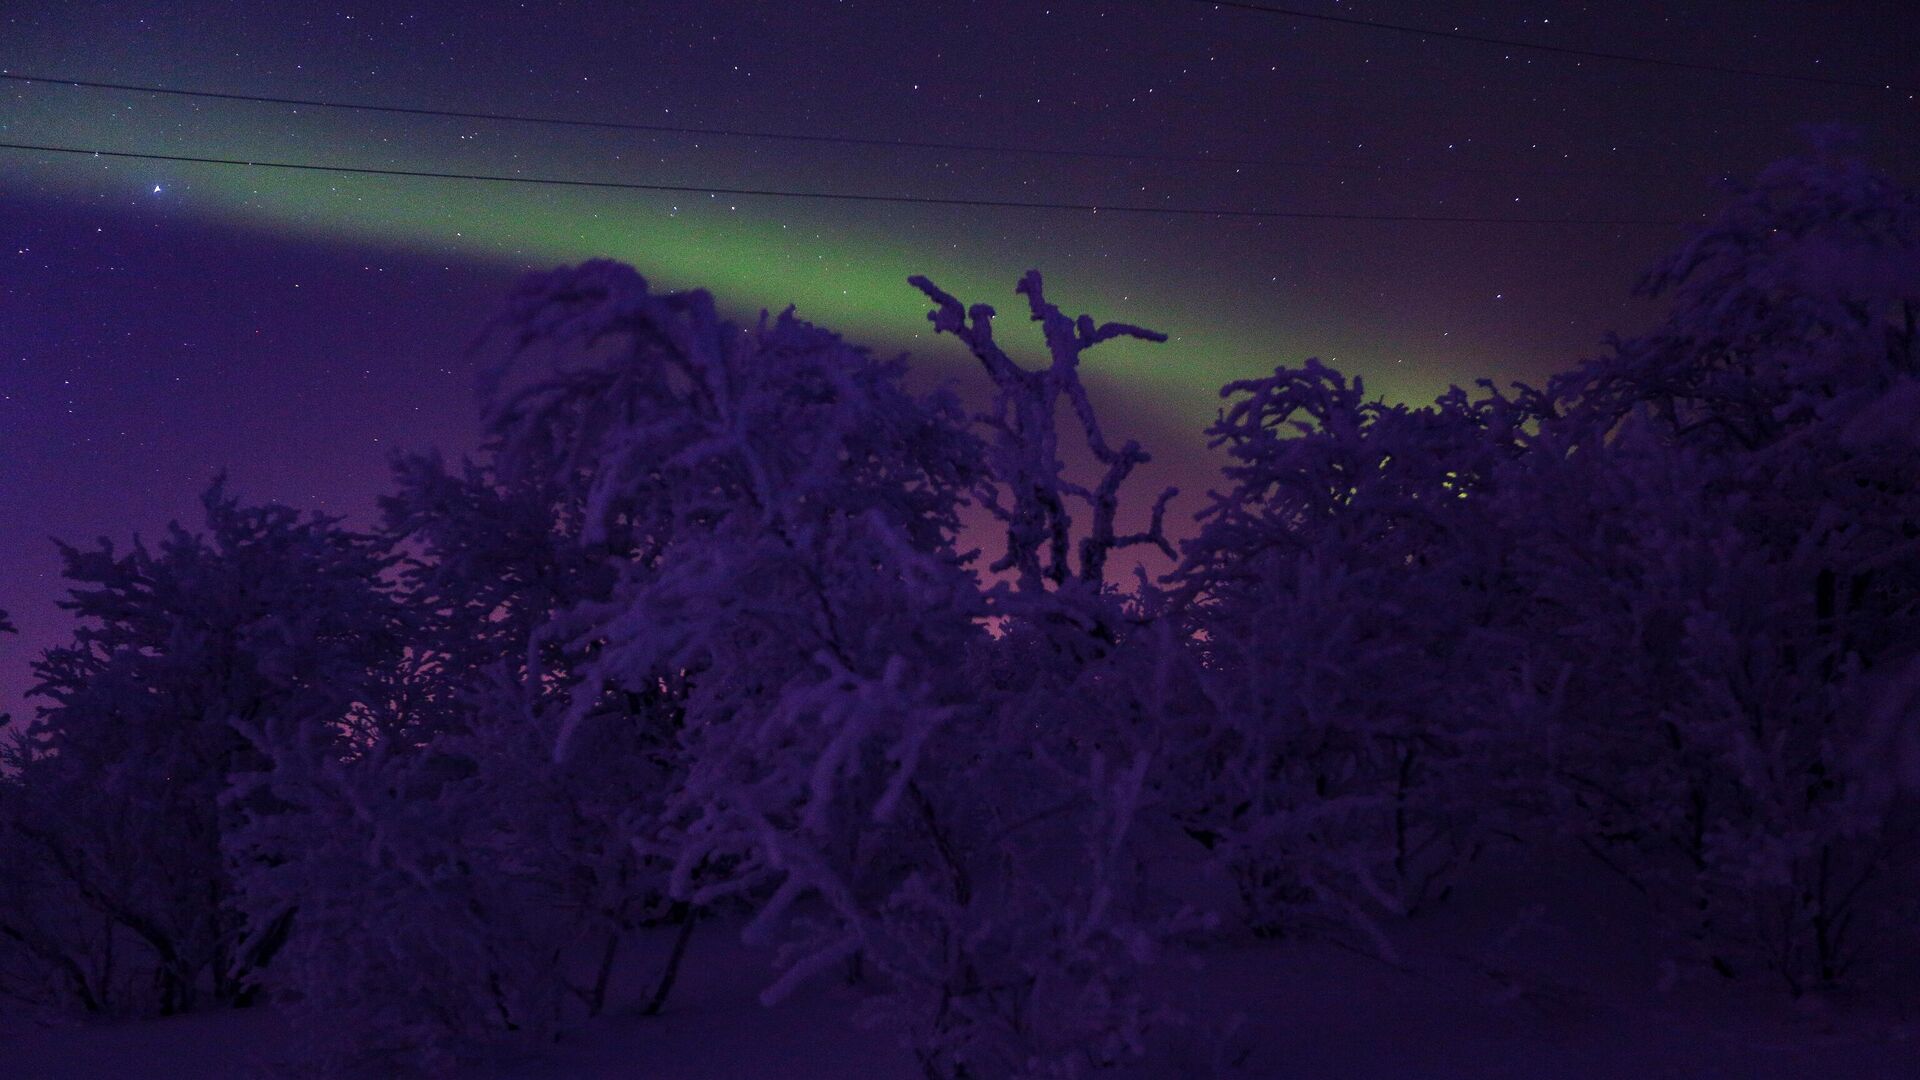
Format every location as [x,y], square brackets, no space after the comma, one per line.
[1488,988]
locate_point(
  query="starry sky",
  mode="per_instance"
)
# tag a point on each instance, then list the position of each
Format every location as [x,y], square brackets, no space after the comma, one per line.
[163,320]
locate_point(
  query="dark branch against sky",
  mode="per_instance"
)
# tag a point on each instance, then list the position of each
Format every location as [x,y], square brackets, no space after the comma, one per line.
[160,319]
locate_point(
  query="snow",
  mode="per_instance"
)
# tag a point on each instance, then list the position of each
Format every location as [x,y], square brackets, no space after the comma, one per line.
[1488,993]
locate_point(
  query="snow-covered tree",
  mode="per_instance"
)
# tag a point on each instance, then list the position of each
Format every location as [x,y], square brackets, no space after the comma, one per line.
[1341,595]
[1055,779]
[698,634]
[53,953]
[1665,608]
[128,788]
[498,872]
[1722,537]
[792,603]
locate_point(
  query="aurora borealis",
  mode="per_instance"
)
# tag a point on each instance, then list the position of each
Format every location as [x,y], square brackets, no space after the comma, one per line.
[159,320]
[843,266]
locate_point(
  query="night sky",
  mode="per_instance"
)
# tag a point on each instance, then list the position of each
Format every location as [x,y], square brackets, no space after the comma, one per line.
[159,321]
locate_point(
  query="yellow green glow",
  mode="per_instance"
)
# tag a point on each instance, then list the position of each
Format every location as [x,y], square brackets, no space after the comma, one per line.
[843,266]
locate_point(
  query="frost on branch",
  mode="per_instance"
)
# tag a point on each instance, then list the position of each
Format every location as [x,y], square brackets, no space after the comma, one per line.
[1730,597]
[1796,303]
[1025,453]
[794,586]
[693,640]
[134,790]
[1338,594]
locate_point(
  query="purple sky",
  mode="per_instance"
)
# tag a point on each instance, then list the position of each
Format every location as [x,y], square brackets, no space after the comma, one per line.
[159,321]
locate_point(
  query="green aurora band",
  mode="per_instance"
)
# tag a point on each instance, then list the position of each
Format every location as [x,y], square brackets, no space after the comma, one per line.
[842,265]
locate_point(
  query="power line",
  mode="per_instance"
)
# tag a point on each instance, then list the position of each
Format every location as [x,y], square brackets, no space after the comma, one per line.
[1563,50]
[674,129]
[789,136]
[845,196]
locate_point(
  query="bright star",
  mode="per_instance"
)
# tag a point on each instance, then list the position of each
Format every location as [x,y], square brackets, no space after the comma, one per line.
[156,189]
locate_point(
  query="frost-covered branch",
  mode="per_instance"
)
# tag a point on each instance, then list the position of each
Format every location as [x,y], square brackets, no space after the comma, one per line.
[1026,454]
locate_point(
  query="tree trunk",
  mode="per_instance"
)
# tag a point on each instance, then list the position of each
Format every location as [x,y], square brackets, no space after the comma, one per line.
[686,916]
[597,997]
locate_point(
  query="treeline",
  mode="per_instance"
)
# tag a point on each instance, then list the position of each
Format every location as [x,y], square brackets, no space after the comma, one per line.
[696,637]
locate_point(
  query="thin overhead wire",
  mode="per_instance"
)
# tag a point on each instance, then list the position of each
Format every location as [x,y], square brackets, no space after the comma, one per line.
[845,196]
[674,129]
[805,137]
[1562,50]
